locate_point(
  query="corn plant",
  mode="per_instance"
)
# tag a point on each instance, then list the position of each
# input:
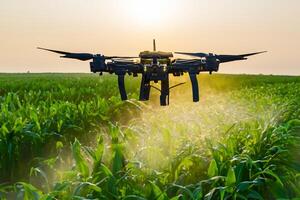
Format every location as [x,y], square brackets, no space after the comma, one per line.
[70,137]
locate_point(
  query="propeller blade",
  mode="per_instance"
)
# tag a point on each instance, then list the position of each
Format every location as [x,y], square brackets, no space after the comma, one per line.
[79,56]
[200,55]
[230,58]
[84,56]
[222,58]
[55,51]
[252,54]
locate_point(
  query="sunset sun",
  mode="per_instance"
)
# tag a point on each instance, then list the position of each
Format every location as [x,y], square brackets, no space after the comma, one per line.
[148,13]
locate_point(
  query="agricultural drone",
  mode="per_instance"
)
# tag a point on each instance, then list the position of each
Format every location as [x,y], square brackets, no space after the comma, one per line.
[155,66]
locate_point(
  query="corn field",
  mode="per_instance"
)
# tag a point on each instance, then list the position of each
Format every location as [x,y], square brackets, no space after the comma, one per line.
[69,136]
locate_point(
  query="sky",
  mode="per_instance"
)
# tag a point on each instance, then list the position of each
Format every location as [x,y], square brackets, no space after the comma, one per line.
[126,27]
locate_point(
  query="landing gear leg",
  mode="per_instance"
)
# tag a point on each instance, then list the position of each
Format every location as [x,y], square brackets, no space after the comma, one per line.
[195,87]
[145,88]
[122,89]
[165,91]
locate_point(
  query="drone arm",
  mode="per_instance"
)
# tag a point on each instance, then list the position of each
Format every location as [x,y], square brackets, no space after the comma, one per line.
[200,55]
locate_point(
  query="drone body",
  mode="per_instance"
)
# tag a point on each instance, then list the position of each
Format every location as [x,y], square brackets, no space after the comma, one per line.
[155,66]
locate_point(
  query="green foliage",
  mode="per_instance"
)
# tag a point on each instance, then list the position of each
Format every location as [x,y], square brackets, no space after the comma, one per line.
[38,111]
[212,169]
[81,163]
[70,137]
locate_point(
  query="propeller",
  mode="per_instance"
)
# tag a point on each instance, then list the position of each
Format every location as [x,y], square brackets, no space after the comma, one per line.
[83,56]
[221,58]
[229,58]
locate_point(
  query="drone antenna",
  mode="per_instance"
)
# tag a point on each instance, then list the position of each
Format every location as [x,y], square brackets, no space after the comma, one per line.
[154,45]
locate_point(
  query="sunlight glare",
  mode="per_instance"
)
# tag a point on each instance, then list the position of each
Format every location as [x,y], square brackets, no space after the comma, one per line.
[150,13]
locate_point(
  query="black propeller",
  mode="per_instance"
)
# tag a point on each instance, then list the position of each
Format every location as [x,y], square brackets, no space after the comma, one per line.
[83,56]
[221,58]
